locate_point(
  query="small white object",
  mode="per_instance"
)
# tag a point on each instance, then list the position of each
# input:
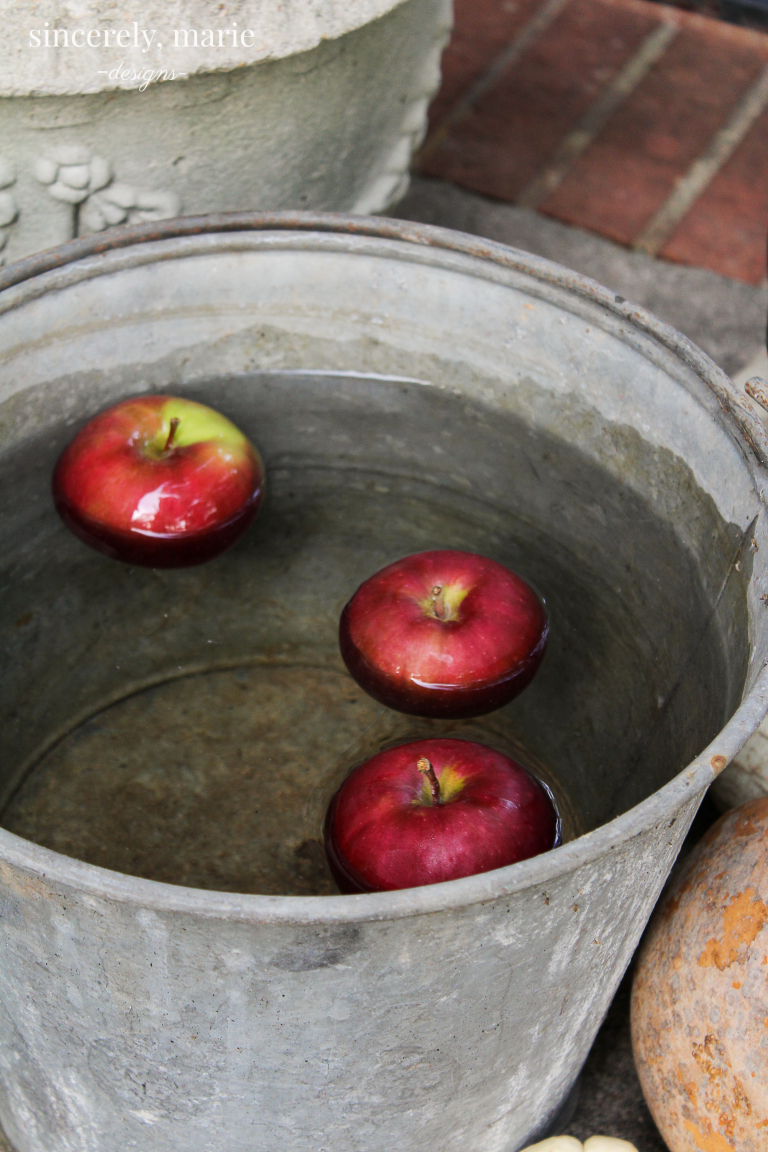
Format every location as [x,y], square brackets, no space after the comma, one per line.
[608,1144]
[71,154]
[100,173]
[556,1144]
[112,213]
[8,208]
[62,191]
[92,219]
[158,205]
[122,194]
[46,170]
[76,175]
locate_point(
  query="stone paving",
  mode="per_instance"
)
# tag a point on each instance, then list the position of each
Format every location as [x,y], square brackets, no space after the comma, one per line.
[725,317]
[640,122]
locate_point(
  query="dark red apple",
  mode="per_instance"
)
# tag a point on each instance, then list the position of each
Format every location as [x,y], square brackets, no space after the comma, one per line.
[159,481]
[435,810]
[446,634]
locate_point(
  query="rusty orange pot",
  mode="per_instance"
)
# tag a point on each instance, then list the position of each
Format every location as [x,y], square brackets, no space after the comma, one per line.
[700,995]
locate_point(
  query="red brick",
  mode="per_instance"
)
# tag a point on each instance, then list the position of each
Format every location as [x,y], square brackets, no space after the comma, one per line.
[514,129]
[726,229]
[651,141]
[482,29]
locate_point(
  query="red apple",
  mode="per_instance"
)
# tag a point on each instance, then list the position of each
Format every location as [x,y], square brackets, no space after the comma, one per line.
[446,634]
[159,481]
[435,810]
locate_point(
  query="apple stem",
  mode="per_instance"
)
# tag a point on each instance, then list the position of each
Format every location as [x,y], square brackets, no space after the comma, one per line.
[427,770]
[438,602]
[174,425]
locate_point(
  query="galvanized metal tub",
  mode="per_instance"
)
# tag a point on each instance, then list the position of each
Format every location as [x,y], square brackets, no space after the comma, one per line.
[409,387]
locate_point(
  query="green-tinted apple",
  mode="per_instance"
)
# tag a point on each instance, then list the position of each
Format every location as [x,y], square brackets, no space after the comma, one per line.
[159,481]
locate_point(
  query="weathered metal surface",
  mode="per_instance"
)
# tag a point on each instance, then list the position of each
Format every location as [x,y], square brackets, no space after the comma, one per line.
[699,1003]
[236,766]
[746,777]
[409,388]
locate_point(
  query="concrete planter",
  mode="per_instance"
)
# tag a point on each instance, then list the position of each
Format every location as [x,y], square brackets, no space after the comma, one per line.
[321,107]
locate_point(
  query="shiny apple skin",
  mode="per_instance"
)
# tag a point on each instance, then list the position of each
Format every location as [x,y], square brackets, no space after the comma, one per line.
[117,491]
[470,664]
[382,830]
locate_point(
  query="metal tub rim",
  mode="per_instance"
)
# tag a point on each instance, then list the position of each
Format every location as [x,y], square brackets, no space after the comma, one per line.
[738,415]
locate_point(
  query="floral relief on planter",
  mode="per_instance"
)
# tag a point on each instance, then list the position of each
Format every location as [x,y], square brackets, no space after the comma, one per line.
[9,209]
[75,176]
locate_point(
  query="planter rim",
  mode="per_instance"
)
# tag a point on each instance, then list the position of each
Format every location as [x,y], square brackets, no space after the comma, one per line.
[738,415]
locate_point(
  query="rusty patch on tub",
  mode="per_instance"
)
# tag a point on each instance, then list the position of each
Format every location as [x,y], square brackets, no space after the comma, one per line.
[25,887]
